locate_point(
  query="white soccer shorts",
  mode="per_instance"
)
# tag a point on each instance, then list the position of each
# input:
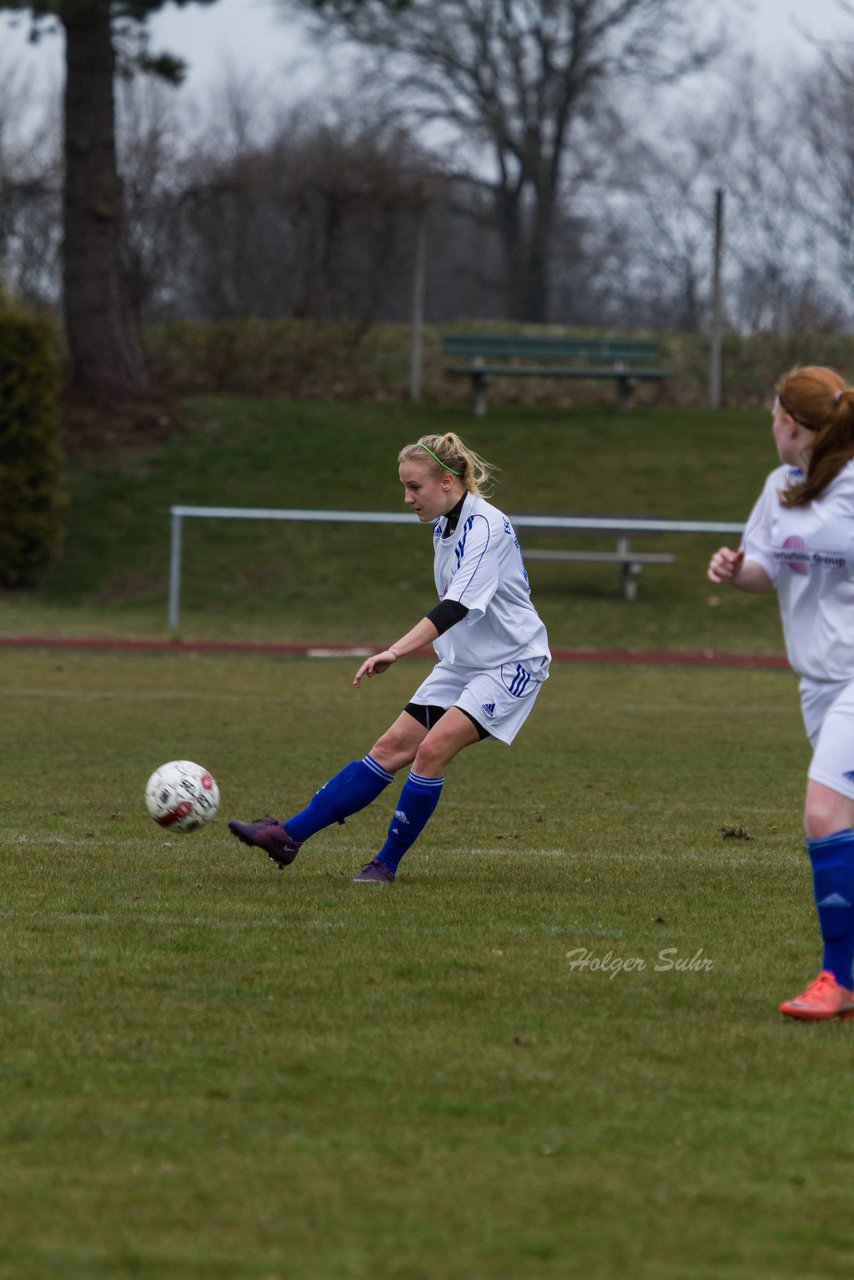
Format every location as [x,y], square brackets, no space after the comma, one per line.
[500,700]
[828,711]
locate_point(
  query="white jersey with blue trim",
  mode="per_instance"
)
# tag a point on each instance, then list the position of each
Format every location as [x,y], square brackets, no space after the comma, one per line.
[480,566]
[808,553]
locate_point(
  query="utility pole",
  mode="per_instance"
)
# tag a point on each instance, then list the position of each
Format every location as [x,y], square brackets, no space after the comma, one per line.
[716,361]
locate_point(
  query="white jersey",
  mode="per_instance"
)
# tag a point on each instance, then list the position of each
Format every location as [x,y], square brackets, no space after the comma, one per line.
[808,553]
[480,566]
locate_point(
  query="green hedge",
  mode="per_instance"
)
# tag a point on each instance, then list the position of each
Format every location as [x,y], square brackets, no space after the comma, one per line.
[32,504]
[307,359]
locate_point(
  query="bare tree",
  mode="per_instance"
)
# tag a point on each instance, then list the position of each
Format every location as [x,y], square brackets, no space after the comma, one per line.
[786,280]
[30,191]
[825,180]
[787,178]
[307,213]
[152,141]
[101,38]
[836,52]
[514,81]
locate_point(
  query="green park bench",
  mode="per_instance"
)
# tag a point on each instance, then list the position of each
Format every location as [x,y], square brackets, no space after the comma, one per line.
[484,357]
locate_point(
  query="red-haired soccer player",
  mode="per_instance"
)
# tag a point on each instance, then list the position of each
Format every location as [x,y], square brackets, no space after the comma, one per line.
[800,540]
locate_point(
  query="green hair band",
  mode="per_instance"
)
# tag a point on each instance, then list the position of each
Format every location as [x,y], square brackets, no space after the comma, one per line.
[439,460]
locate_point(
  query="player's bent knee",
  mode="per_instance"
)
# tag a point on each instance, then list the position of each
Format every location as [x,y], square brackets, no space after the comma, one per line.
[429,762]
[388,756]
[825,813]
[819,823]
[392,751]
[442,743]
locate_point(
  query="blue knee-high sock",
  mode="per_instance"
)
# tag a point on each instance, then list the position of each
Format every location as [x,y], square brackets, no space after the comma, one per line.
[833,883]
[356,786]
[418,799]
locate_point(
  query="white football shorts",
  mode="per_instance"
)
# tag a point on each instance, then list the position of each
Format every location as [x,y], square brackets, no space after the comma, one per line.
[500,700]
[828,711]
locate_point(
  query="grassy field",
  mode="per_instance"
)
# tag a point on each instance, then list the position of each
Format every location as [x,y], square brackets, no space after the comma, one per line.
[215,1069]
[551,1050]
[317,583]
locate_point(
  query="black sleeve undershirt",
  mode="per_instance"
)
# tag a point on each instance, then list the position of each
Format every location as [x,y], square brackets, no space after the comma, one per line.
[446,615]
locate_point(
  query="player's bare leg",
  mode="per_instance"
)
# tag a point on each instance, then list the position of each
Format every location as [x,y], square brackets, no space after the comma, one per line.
[828,821]
[421,791]
[358,784]
[445,740]
[399,744]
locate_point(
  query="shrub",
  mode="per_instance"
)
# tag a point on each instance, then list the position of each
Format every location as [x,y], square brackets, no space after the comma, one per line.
[32,523]
[308,359]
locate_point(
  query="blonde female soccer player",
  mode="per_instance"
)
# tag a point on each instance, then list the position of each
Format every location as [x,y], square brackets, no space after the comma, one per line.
[492,651]
[800,540]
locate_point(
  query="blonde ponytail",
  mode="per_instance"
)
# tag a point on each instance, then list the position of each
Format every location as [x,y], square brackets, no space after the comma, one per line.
[449,453]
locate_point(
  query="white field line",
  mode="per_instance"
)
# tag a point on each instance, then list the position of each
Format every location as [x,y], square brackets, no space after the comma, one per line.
[122,695]
[750,855]
[654,709]
[166,921]
[749,858]
[41,840]
[339,653]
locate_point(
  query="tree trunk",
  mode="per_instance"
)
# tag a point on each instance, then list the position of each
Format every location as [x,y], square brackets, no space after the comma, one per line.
[530,287]
[106,355]
[526,237]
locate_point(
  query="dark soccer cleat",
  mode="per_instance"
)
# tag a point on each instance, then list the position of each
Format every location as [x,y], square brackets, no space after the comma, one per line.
[374,872]
[269,835]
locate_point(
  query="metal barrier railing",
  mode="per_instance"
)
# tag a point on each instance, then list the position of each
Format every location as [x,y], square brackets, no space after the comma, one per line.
[577,524]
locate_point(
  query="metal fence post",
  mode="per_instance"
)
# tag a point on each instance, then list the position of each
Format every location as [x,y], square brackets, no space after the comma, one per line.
[175,569]
[716,358]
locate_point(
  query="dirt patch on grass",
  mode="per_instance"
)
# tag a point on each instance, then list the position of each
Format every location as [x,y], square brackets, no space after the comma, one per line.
[127,430]
[133,587]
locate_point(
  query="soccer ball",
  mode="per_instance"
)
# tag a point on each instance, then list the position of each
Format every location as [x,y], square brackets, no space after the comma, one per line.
[181,796]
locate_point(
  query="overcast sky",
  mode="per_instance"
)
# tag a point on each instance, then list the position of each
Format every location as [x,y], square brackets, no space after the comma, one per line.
[250,37]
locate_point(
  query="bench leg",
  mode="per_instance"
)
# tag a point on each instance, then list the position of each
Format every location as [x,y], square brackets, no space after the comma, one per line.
[629,575]
[478,394]
[625,386]
[629,571]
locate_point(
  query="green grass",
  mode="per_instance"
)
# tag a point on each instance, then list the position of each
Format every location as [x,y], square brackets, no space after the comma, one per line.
[268,580]
[214,1069]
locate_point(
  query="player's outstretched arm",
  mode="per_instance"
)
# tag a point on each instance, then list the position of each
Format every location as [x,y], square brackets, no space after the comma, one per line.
[733,567]
[422,634]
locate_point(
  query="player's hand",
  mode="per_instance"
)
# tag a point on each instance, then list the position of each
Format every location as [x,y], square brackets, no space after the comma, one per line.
[724,565]
[375,665]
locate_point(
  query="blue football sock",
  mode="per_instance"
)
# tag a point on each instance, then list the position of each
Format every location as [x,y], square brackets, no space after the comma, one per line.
[833,883]
[418,799]
[356,786]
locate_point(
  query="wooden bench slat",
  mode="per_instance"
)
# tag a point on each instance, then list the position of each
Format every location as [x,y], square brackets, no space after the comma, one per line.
[523,341]
[566,350]
[556,371]
[630,562]
[604,557]
[488,356]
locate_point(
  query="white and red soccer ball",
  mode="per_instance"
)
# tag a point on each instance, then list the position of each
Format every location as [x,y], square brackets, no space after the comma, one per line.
[182,796]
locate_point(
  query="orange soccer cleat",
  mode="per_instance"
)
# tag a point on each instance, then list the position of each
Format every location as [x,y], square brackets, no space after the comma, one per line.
[823,998]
